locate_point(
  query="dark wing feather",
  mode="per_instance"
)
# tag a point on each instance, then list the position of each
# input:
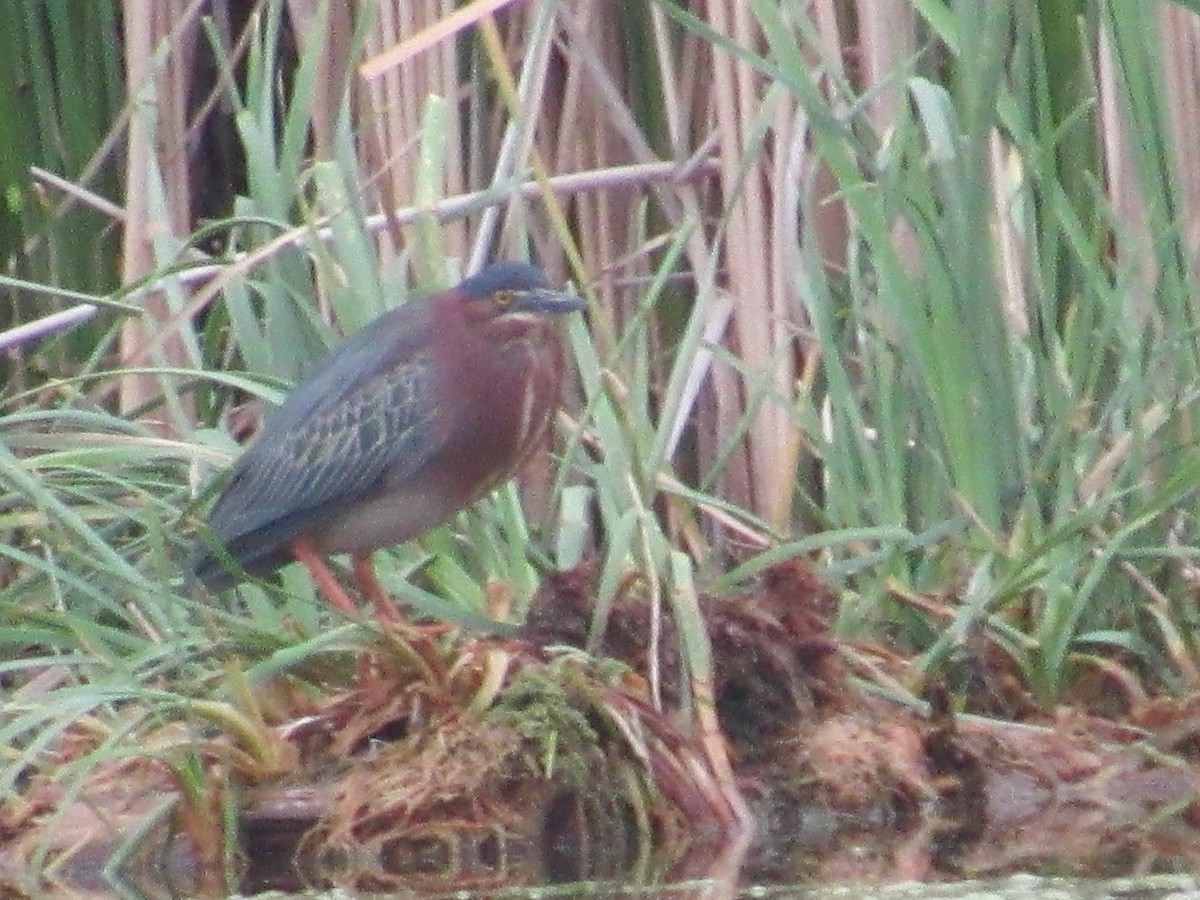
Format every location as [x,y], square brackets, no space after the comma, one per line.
[365,411]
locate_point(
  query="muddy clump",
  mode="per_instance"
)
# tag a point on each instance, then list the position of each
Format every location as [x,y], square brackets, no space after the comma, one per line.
[459,762]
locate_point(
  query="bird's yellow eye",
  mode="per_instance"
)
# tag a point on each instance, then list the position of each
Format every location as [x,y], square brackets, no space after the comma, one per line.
[503,298]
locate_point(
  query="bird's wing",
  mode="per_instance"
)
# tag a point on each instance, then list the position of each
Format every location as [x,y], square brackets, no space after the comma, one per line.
[366,410]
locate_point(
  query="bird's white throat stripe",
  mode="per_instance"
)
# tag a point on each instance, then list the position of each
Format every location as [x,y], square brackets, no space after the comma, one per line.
[527,402]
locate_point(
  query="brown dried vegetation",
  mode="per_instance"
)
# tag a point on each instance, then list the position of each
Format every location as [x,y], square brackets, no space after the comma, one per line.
[460,762]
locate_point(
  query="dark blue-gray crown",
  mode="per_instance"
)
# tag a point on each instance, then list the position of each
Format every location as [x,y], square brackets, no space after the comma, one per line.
[505,276]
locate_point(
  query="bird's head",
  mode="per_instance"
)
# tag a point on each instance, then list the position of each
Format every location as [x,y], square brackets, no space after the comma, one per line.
[512,300]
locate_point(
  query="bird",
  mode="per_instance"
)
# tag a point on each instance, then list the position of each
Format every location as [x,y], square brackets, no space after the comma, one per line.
[413,418]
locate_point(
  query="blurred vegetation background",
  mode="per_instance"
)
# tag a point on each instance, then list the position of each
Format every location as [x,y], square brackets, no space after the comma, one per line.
[907,286]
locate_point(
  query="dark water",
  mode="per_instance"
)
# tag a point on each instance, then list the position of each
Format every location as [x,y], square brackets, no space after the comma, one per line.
[823,857]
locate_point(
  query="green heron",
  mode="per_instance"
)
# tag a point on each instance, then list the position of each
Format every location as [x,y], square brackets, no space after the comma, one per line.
[414,418]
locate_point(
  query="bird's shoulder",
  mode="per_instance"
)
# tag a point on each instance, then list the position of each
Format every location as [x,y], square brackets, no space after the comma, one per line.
[388,354]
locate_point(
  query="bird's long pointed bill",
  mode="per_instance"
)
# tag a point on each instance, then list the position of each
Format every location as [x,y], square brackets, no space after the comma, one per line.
[547,302]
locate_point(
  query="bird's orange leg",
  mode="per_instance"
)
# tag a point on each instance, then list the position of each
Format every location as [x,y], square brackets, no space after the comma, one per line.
[364,574]
[306,552]
[385,606]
